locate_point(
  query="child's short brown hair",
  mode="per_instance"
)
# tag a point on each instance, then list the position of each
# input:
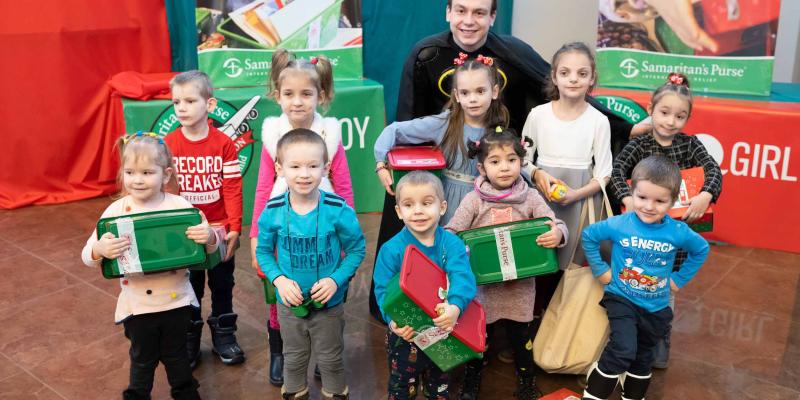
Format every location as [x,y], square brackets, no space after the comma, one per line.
[301,135]
[660,171]
[199,78]
[419,178]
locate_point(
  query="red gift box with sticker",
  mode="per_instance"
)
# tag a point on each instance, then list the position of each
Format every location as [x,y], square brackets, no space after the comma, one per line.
[411,299]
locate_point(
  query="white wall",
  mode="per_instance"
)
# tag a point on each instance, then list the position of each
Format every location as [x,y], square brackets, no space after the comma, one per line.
[787,49]
[547,24]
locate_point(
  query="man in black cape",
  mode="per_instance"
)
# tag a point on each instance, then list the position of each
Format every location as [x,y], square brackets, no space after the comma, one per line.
[425,88]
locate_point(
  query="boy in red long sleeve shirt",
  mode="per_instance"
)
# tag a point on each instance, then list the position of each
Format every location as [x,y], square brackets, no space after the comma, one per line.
[207,169]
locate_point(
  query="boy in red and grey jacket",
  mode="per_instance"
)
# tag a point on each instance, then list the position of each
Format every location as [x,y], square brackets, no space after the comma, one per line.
[207,169]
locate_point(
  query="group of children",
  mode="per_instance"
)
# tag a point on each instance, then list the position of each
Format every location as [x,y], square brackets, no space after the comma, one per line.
[306,239]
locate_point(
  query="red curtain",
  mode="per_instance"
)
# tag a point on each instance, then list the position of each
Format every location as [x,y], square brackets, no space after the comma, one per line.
[59,118]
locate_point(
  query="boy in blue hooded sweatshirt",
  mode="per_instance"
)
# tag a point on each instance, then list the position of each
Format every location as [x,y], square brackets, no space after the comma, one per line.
[640,277]
[309,228]
[420,204]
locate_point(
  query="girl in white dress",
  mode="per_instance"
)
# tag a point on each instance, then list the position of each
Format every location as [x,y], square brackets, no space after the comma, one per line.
[573,142]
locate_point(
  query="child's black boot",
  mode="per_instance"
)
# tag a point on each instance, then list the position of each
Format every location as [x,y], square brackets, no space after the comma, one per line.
[223,338]
[193,342]
[275,357]
[472,380]
[599,385]
[526,385]
[634,387]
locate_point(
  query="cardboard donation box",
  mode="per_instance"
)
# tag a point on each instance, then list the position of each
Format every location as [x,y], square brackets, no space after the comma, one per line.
[509,251]
[158,242]
[403,159]
[691,185]
[411,298]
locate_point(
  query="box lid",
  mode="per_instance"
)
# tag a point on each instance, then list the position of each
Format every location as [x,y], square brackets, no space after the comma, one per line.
[536,224]
[423,281]
[416,157]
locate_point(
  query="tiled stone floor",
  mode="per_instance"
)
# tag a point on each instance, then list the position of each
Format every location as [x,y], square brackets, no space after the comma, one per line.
[736,332]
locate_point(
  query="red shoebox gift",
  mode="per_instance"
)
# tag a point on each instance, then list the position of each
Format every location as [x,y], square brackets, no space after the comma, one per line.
[562,394]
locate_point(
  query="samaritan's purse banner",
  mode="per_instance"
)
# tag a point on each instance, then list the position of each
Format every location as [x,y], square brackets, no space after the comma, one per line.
[723,46]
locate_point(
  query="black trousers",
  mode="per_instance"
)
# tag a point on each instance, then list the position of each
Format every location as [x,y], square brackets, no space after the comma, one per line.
[155,337]
[220,282]
[518,335]
[634,335]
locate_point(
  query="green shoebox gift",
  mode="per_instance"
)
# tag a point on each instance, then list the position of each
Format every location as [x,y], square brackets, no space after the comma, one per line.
[509,251]
[158,242]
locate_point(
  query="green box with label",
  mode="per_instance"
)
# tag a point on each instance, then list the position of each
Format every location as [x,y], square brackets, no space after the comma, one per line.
[158,242]
[509,251]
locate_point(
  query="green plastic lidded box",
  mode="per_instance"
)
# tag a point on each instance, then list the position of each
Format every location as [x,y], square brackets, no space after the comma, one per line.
[158,242]
[411,298]
[509,251]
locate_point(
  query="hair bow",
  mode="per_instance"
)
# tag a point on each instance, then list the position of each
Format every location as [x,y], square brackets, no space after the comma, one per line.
[314,60]
[675,79]
[489,61]
[461,59]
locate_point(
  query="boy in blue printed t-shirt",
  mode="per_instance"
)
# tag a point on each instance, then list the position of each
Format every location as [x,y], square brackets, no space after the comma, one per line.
[640,277]
[420,204]
[309,228]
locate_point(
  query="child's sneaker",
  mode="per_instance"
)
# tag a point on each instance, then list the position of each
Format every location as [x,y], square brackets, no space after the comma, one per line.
[301,395]
[329,396]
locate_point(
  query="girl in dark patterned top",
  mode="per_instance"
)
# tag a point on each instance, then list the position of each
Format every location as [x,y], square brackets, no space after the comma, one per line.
[670,108]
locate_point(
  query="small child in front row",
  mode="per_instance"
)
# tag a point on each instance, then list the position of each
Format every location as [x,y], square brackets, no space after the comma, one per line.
[640,277]
[155,309]
[670,109]
[309,228]
[420,205]
[500,196]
